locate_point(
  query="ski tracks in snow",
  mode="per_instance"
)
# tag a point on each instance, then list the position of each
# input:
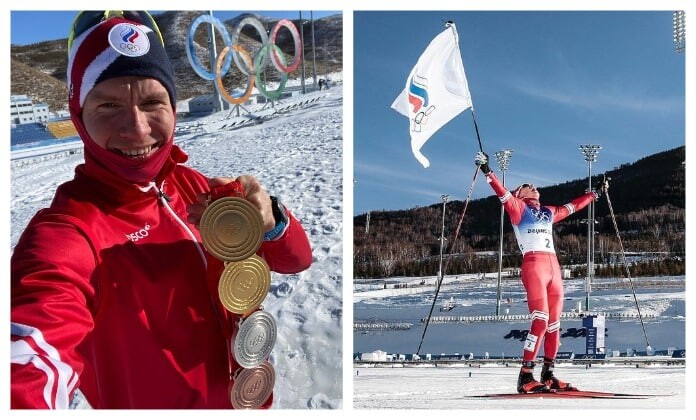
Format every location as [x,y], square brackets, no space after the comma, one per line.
[32,188]
[298,157]
[307,174]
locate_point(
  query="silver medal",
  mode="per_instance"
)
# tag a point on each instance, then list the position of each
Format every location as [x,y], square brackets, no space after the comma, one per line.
[255,339]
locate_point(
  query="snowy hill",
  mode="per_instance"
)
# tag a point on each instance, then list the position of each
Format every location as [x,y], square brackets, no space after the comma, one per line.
[38,70]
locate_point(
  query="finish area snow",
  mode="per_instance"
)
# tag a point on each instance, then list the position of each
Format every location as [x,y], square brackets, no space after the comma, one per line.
[296,155]
[428,387]
[444,385]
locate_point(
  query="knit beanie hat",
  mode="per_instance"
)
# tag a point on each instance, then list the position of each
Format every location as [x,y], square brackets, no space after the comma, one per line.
[113,48]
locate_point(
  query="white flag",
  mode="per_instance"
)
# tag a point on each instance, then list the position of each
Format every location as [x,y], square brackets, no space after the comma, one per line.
[436,90]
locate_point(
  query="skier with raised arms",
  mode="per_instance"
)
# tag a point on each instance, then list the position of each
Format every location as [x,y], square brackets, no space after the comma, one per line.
[532,223]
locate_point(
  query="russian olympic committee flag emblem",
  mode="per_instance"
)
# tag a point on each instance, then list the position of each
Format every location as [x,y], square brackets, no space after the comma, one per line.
[436,90]
[129,40]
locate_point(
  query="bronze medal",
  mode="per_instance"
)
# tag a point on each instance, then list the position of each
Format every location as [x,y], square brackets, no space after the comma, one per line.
[255,339]
[252,387]
[231,229]
[244,285]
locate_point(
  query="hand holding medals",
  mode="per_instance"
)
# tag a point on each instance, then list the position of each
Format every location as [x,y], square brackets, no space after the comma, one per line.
[232,231]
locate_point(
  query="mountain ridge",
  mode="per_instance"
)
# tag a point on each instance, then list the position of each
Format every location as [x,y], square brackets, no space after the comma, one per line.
[38,70]
[648,199]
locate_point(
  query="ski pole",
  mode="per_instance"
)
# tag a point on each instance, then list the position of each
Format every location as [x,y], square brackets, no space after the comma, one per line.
[442,271]
[625,263]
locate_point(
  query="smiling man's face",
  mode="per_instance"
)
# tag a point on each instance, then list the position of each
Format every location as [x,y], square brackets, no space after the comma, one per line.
[130,116]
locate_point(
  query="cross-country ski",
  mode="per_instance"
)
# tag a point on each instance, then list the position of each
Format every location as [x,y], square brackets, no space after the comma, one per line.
[566,394]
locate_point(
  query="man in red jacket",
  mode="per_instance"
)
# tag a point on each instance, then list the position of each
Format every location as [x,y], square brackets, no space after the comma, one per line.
[112,290]
[541,273]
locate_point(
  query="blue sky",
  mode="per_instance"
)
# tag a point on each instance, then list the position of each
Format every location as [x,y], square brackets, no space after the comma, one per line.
[35,26]
[542,84]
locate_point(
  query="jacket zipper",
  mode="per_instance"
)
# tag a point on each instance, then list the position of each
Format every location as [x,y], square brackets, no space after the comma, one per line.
[165,200]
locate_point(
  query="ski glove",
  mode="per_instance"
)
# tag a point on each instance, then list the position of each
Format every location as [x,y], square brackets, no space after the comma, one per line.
[481,160]
[602,187]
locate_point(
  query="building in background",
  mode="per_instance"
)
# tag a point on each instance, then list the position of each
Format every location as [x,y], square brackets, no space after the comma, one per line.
[24,111]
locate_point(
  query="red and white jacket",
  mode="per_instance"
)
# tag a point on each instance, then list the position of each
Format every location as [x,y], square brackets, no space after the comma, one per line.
[114,294]
[532,222]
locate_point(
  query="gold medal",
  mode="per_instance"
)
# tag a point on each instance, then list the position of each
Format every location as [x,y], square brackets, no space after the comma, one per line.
[231,229]
[252,387]
[244,285]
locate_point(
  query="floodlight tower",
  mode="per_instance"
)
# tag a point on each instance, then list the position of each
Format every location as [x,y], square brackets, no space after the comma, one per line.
[679,23]
[589,151]
[503,158]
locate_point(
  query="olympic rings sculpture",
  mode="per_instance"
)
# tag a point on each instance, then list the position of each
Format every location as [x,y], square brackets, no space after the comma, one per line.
[251,67]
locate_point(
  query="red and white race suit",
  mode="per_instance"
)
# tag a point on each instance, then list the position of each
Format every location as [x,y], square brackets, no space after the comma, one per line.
[541,273]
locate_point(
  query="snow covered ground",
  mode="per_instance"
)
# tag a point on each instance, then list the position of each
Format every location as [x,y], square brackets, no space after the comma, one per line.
[662,302]
[453,388]
[393,301]
[298,156]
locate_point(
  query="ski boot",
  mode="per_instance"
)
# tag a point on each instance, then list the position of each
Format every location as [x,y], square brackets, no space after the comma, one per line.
[526,384]
[550,380]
